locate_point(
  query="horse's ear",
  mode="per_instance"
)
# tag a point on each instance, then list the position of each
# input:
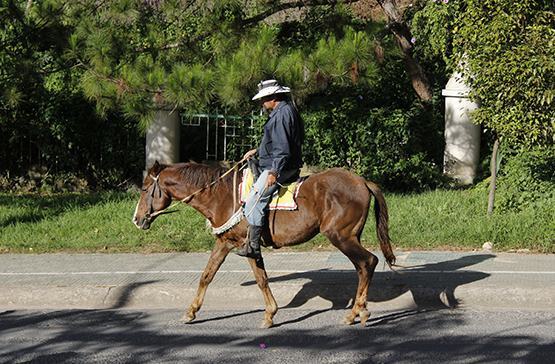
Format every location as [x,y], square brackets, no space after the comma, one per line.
[156,169]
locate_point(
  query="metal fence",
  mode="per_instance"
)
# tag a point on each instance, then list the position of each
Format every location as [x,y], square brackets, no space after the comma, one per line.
[217,136]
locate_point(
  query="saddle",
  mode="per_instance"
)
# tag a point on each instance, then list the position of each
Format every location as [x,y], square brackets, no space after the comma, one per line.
[283,199]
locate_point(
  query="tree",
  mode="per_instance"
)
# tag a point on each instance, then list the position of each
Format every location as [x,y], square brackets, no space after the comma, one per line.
[404,37]
[396,24]
[186,54]
[46,124]
[31,67]
[199,46]
[509,50]
[506,51]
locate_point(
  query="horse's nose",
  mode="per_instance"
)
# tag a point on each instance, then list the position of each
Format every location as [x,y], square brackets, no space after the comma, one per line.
[144,224]
[136,222]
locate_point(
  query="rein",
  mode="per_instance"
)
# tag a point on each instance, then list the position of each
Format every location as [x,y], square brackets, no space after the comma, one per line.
[188,198]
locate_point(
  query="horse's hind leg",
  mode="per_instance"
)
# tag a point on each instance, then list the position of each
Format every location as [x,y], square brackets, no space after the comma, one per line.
[365,272]
[365,264]
[262,281]
[217,257]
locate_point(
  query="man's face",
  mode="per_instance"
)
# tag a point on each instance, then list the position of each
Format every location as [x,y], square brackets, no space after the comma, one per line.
[268,103]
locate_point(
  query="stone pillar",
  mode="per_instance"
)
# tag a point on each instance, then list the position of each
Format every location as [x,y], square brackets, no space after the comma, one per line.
[162,138]
[462,136]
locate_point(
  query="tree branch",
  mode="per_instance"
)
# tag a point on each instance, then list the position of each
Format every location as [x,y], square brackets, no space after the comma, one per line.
[402,33]
[256,19]
[294,4]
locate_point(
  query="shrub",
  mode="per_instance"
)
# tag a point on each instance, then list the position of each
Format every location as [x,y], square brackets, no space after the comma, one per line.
[527,180]
[395,147]
[39,180]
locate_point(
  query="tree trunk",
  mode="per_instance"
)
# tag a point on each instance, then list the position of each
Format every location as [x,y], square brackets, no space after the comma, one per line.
[493,182]
[399,28]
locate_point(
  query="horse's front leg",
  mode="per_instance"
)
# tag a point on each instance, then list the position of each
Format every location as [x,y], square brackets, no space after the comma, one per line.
[262,281]
[217,257]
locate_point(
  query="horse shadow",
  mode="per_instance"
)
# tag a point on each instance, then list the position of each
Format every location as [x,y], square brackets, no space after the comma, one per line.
[431,285]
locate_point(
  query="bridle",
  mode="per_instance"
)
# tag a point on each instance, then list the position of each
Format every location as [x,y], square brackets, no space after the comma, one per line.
[156,187]
[150,198]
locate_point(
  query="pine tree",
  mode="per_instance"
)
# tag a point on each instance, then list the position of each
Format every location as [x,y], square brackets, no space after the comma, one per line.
[142,55]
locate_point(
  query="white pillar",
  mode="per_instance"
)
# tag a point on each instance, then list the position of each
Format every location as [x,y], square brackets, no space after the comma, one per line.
[462,136]
[162,138]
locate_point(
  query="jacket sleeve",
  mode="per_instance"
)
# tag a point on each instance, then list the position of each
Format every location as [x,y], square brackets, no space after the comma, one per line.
[281,132]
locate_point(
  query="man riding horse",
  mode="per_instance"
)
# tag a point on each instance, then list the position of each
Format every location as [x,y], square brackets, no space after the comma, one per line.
[334,202]
[279,158]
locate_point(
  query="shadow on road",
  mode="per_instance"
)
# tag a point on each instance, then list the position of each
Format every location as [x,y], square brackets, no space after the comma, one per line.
[124,294]
[431,285]
[137,337]
[426,334]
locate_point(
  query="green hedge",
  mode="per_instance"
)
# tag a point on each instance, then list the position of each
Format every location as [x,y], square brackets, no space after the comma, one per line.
[398,147]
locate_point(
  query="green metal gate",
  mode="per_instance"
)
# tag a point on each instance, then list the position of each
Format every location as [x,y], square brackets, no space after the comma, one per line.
[217,136]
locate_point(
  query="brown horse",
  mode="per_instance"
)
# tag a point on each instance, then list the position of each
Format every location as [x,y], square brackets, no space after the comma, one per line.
[334,202]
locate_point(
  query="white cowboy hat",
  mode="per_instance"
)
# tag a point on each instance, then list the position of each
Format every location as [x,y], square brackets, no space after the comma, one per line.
[270,87]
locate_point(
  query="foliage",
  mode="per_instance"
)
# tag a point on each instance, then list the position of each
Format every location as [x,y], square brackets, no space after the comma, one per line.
[139,56]
[433,24]
[44,119]
[66,136]
[511,63]
[527,180]
[506,50]
[126,58]
[316,23]
[399,148]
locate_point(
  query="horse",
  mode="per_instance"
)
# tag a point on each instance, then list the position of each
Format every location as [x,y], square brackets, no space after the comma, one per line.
[334,202]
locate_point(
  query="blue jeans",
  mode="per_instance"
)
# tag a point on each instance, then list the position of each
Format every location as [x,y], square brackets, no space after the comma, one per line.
[259,197]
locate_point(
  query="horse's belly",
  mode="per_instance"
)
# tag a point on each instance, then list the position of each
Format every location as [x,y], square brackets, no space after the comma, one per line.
[289,228]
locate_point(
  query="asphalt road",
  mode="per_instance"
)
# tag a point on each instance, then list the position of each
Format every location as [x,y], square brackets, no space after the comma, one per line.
[300,336]
[444,307]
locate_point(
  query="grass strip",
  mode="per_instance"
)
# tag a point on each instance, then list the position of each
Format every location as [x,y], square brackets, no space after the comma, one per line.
[442,219]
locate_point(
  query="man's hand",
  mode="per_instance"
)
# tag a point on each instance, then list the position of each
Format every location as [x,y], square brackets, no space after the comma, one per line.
[249,154]
[271,180]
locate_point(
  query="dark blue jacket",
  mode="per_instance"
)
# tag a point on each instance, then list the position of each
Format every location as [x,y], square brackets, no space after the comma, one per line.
[281,145]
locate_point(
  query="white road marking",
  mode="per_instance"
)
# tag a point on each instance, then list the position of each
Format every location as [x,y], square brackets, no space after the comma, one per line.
[268,271]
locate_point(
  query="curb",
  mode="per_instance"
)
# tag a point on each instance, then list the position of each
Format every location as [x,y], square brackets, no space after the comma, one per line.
[325,280]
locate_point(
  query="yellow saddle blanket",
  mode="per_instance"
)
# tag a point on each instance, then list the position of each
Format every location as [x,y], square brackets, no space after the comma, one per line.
[283,199]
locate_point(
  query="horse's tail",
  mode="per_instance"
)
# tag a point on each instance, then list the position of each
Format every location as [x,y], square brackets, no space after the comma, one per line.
[382,218]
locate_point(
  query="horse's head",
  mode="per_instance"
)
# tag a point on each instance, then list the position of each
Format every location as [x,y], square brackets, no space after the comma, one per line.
[153,198]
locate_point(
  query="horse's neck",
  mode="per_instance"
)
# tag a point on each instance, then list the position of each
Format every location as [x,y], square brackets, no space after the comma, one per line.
[215,203]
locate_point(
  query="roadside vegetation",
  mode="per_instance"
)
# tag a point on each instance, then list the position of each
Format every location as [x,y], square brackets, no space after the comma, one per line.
[80,82]
[440,219]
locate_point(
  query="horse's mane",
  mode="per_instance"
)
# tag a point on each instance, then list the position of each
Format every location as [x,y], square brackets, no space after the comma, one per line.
[201,175]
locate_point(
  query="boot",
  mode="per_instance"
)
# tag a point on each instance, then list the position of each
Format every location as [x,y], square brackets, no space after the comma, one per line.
[251,248]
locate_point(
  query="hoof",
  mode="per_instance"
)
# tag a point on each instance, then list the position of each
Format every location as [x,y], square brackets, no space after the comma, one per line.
[348,320]
[364,315]
[266,324]
[188,317]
